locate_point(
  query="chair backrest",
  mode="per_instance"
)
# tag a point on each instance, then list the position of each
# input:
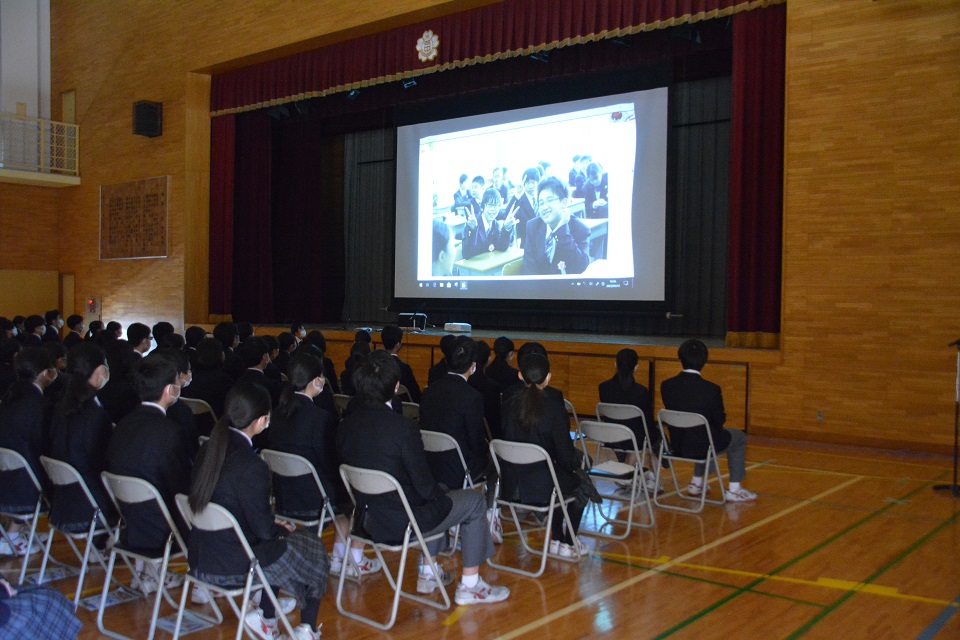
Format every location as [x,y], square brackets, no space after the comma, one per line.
[369,481]
[62,474]
[521,453]
[608,433]
[403,391]
[213,518]
[127,490]
[572,411]
[340,401]
[411,410]
[11,460]
[436,442]
[683,420]
[199,407]
[614,411]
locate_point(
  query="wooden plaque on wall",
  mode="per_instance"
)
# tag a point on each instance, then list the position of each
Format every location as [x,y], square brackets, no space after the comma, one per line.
[133,219]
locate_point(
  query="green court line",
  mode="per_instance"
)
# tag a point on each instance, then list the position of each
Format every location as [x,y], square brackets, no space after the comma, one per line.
[879,572]
[821,545]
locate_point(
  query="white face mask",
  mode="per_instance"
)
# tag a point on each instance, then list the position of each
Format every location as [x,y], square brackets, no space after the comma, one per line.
[318,384]
[60,323]
[176,394]
[15,331]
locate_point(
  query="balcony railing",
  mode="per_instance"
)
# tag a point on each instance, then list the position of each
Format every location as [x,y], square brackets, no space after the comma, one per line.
[42,146]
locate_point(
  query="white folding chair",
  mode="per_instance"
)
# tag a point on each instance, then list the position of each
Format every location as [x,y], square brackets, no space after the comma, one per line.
[412,410]
[340,401]
[437,442]
[199,407]
[126,491]
[27,513]
[521,454]
[215,518]
[290,465]
[605,435]
[62,475]
[402,392]
[613,412]
[685,420]
[572,412]
[369,482]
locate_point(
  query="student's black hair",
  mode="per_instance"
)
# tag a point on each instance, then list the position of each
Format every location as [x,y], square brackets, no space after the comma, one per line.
[286,340]
[317,339]
[530,174]
[244,330]
[693,354]
[225,332]
[193,335]
[161,329]
[441,238]
[502,347]
[271,341]
[552,183]
[32,322]
[171,341]
[462,354]
[479,180]
[363,335]
[491,196]
[9,348]
[534,368]
[463,178]
[529,348]
[176,357]
[482,355]
[18,320]
[390,336]
[627,360]
[82,361]
[296,326]
[113,327]
[137,332]
[121,359]
[51,316]
[446,342]
[209,355]
[302,369]
[95,327]
[152,376]
[594,171]
[245,403]
[31,362]
[56,349]
[252,350]
[73,321]
[376,378]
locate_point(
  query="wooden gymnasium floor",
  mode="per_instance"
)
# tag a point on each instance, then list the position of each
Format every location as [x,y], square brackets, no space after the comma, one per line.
[842,543]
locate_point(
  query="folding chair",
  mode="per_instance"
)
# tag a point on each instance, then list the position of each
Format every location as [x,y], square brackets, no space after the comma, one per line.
[522,453]
[214,518]
[572,412]
[437,442]
[62,474]
[613,412]
[402,391]
[340,401]
[412,410]
[27,513]
[606,434]
[203,411]
[369,482]
[290,465]
[126,491]
[685,420]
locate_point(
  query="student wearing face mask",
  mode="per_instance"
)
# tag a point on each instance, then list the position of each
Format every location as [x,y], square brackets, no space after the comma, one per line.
[299,332]
[179,412]
[80,432]
[54,322]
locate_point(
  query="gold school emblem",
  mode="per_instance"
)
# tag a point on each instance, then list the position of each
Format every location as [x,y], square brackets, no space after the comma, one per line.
[427,46]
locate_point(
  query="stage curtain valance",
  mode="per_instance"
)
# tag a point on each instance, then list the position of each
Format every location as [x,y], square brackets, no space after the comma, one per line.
[507,29]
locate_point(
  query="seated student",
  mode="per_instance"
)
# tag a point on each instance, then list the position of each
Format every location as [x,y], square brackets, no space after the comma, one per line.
[483,233]
[255,355]
[361,337]
[9,349]
[140,338]
[576,177]
[230,473]
[595,192]
[489,389]
[499,184]
[34,328]
[298,426]
[440,369]
[7,328]
[192,336]
[622,388]
[244,330]
[585,161]
[358,353]
[523,206]
[556,244]
[54,322]
[147,444]
[38,613]
[530,416]
[271,370]
[688,391]
[444,249]
[209,382]
[93,329]
[299,331]
[461,197]
[391,337]
[476,193]
[287,345]
[75,336]
[19,323]
[179,412]
[500,370]
[226,333]
[115,328]
[24,421]
[317,339]
[173,341]
[161,329]
[399,451]
[59,354]
[80,435]
[119,396]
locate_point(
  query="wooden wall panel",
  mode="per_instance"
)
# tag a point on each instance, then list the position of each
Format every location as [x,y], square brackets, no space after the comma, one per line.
[29,234]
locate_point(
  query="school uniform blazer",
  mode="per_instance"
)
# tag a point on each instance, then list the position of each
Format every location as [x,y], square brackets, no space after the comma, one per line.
[571,248]
[525,213]
[310,432]
[451,406]
[24,428]
[180,413]
[479,240]
[637,395]
[591,194]
[690,392]
[71,340]
[374,437]
[437,371]
[81,440]
[258,377]
[492,408]
[408,380]
[147,444]
[503,374]
[119,397]
[211,386]
[243,489]
[330,375]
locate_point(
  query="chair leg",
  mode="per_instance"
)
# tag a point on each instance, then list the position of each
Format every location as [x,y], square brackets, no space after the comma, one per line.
[183,606]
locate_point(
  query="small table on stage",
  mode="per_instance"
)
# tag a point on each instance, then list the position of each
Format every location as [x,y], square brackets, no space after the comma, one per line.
[489,263]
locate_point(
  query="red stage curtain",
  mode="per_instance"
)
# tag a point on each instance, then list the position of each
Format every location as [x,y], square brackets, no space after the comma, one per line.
[222,151]
[501,30]
[756,179]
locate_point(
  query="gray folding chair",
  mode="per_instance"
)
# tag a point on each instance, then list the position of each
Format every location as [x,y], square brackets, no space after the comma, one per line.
[578,437]
[605,434]
[126,491]
[613,412]
[27,513]
[340,401]
[214,518]
[436,442]
[685,420]
[522,453]
[290,465]
[199,407]
[370,482]
[403,392]
[412,410]
[62,474]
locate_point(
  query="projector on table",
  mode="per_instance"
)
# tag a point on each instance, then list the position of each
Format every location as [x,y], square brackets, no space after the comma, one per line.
[457,327]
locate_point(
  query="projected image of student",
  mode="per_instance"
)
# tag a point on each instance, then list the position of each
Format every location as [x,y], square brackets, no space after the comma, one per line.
[484,233]
[595,192]
[444,249]
[576,177]
[461,197]
[476,193]
[555,244]
[585,161]
[498,183]
[524,205]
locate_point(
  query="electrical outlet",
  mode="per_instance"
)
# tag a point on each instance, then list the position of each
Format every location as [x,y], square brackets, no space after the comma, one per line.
[819,416]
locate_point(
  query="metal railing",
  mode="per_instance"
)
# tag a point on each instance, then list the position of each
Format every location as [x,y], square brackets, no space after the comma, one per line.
[43,146]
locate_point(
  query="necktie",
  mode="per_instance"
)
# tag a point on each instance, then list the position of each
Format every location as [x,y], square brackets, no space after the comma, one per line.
[550,247]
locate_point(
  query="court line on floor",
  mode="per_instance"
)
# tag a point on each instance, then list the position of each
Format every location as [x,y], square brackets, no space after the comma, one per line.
[852,457]
[609,591]
[940,621]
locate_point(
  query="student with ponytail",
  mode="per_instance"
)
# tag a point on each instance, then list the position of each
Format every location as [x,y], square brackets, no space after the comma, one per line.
[228,472]
[531,416]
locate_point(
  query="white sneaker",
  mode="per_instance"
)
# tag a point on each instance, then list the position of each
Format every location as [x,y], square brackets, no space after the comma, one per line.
[740,495]
[554,548]
[496,527]
[367,566]
[481,593]
[287,604]
[695,489]
[19,545]
[427,582]
[650,479]
[303,632]
[263,628]
[148,582]
[200,595]
[569,551]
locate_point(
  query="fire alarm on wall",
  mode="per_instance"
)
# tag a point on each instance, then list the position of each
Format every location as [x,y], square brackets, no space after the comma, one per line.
[93,309]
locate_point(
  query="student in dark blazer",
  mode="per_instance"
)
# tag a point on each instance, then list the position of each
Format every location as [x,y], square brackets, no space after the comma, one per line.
[489,389]
[149,445]
[317,339]
[34,328]
[689,392]
[623,388]
[119,397]
[483,233]
[374,437]
[9,348]
[54,322]
[524,206]
[440,369]
[230,473]
[300,427]
[179,412]
[209,382]
[391,336]
[75,335]
[226,333]
[80,431]
[501,370]
[255,355]
[555,242]
[288,345]
[595,192]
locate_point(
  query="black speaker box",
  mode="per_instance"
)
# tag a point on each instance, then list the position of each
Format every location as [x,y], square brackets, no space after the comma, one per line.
[148,118]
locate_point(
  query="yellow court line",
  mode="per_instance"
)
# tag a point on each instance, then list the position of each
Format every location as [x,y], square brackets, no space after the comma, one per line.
[626,584]
[827,583]
[453,617]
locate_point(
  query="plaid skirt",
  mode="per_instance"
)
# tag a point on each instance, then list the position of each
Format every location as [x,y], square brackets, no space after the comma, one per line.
[302,570]
[41,614]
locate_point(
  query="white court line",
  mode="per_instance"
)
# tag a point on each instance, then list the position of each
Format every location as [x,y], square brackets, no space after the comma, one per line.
[606,593]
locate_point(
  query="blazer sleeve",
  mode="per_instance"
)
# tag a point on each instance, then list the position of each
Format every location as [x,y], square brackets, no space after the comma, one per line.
[572,245]
[255,501]
[567,456]
[418,470]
